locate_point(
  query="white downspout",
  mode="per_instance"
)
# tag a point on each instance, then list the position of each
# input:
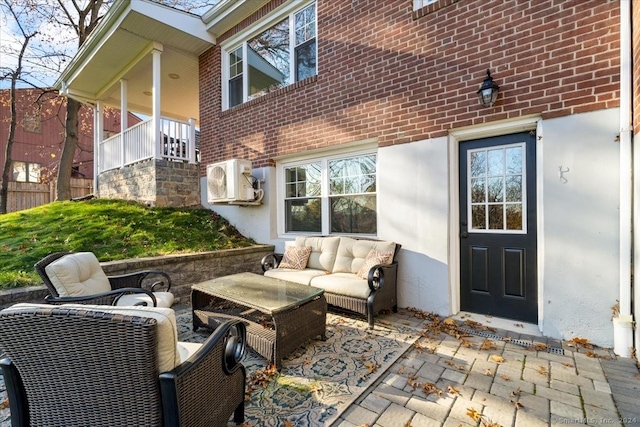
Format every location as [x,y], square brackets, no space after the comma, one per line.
[623,323]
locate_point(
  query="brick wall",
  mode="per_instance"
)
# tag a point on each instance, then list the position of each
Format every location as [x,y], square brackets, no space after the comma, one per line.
[153,182]
[386,72]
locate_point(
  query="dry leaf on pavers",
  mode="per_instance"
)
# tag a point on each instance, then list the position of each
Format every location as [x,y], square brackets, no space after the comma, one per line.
[506,378]
[466,343]
[260,378]
[452,390]
[515,392]
[430,388]
[518,405]
[568,365]
[487,344]
[506,339]
[540,346]
[542,370]
[518,325]
[473,414]
[364,425]
[488,372]
[496,358]
[411,382]
[583,342]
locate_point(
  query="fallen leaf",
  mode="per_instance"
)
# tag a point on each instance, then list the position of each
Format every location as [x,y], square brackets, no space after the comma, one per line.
[568,365]
[473,414]
[450,321]
[453,390]
[466,343]
[540,346]
[487,344]
[518,405]
[372,366]
[4,404]
[288,423]
[515,393]
[488,372]
[506,378]
[542,370]
[497,359]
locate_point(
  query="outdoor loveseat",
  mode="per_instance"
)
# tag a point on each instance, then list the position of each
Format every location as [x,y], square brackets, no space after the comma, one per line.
[91,365]
[356,274]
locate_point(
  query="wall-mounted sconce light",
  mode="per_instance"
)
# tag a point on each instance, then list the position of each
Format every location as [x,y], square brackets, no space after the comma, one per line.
[488,92]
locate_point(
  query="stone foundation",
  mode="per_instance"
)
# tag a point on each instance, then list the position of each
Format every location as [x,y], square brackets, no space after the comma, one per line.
[153,182]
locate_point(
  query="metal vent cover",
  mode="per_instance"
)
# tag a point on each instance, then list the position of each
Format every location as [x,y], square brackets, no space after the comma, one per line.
[521,343]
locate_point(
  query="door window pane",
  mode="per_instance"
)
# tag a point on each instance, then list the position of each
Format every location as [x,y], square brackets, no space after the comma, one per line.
[496,188]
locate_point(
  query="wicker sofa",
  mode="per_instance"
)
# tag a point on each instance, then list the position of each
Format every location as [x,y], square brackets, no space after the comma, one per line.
[356,274]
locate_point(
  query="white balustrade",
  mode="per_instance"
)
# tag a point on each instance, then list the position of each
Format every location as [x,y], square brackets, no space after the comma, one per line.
[177,142]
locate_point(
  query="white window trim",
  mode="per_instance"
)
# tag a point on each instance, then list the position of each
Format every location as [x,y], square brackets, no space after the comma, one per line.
[323,157]
[241,37]
[419,4]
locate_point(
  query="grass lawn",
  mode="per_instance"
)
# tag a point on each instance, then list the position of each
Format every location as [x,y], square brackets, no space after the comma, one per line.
[112,229]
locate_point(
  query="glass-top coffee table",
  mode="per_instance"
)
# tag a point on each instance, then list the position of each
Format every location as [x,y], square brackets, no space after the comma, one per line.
[280,315]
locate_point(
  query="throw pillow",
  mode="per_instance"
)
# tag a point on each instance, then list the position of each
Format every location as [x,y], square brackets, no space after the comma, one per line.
[295,257]
[373,258]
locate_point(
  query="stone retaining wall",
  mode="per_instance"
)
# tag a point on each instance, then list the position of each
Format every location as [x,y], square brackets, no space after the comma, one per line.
[153,182]
[184,269]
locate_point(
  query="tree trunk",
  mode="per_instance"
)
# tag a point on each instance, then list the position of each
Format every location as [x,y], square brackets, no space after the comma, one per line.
[6,170]
[63,191]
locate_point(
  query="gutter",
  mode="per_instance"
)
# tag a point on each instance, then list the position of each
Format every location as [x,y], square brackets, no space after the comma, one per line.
[629,247]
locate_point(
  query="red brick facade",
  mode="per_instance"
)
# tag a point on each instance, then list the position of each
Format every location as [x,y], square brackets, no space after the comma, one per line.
[387,72]
[40,132]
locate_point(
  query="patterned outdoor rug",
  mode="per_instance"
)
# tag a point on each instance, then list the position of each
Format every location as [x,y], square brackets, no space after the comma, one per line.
[318,382]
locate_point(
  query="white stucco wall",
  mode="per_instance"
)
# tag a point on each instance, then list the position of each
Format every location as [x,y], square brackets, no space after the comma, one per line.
[578,229]
[413,193]
[580,256]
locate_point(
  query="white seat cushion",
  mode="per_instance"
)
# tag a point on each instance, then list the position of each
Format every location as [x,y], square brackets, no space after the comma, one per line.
[164,299]
[347,284]
[78,274]
[168,354]
[297,276]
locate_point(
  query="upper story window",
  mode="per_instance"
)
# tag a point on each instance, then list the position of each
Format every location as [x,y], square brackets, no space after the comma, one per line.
[31,122]
[270,55]
[419,4]
[331,195]
[26,172]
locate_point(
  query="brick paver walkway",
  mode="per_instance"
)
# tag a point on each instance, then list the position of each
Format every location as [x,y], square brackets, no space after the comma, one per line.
[500,378]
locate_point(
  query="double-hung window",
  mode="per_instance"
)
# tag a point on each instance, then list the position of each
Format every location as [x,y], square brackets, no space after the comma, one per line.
[272,55]
[331,195]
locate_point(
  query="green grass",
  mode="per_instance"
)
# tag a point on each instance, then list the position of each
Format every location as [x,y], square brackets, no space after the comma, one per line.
[112,229]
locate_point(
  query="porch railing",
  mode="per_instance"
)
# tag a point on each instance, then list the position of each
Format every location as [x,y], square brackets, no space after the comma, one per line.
[176,142]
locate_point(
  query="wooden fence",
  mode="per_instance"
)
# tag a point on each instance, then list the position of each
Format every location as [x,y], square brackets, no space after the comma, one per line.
[25,195]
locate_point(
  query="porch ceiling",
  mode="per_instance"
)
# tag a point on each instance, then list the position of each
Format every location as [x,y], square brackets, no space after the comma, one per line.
[120,48]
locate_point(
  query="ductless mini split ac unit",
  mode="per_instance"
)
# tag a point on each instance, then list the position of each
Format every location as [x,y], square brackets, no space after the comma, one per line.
[230,181]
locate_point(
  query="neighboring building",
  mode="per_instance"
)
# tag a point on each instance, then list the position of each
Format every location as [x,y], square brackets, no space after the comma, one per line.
[39,135]
[363,118]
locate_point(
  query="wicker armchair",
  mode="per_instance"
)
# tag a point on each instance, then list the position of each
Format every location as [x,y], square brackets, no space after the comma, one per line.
[76,277]
[82,365]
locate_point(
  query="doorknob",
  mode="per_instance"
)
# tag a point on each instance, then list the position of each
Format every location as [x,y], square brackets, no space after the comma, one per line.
[464,234]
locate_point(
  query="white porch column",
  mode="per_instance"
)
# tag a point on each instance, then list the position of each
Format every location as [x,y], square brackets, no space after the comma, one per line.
[157,51]
[192,140]
[98,132]
[123,118]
